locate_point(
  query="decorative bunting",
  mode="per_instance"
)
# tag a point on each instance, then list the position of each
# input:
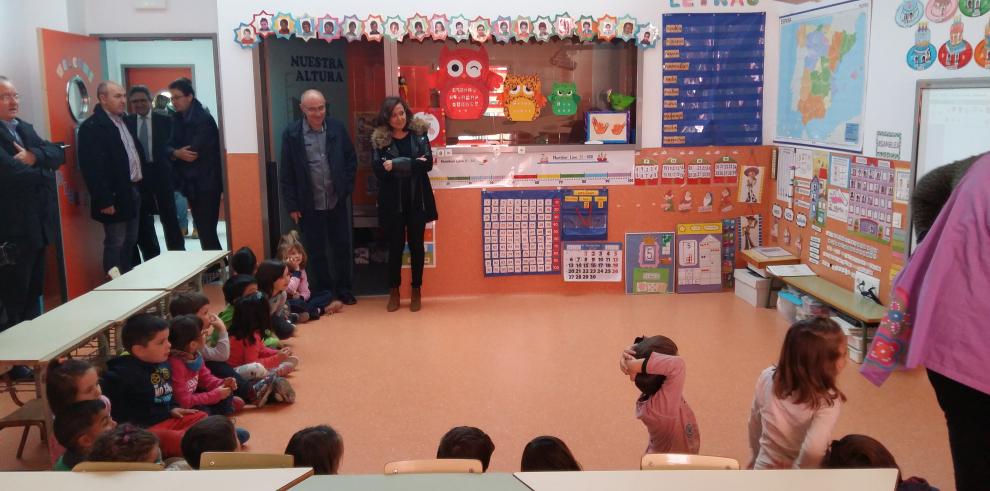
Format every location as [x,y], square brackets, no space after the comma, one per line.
[502,28]
[329,28]
[647,35]
[586,28]
[305,27]
[262,24]
[523,29]
[563,25]
[373,28]
[285,25]
[418,27]
[458,28]
[543,29]
[606,27]
[481,29]
[395,28]
[438,27]
[353,28]
[245,36]
[627,29]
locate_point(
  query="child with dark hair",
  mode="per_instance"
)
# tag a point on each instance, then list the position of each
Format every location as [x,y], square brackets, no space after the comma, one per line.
[195,385]
[319,447]
[548,453]
[273,279]
[863,452]
[243,261]
[213,434]
[797,403]
[251,358]
[466,442]
[126,443]
[77,427]
[242,286]
[140,383]
[659,374]
[70,381]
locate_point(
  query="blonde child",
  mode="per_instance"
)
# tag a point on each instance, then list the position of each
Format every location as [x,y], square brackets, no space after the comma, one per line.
[306,304]
[251,358]
[653,365]
[797,402]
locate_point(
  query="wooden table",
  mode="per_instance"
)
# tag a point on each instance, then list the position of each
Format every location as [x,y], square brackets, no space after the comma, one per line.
[415,482]
[864,311]
[67,327]
[267,479]
[776,480]
[759,261]
[167,271]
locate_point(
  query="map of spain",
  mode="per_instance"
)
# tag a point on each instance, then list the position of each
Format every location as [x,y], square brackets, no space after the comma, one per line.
[823,77]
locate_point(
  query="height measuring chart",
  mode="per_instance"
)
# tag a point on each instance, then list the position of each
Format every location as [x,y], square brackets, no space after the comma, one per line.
[699,257]
[520,232]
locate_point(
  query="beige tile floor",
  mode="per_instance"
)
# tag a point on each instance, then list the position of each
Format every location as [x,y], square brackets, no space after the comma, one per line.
[519,366]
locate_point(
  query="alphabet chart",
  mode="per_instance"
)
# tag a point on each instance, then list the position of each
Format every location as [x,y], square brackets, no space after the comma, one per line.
[521,232]
[600,261]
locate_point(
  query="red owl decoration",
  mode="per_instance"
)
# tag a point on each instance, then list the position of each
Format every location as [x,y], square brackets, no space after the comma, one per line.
[464,81]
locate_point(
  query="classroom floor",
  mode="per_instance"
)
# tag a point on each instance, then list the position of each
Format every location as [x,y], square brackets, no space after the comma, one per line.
[519,366]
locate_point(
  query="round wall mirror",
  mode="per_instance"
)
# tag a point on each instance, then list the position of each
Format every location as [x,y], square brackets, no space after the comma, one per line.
[78,98]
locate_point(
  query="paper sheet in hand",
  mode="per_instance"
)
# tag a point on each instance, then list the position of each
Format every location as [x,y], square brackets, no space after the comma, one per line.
[791,270]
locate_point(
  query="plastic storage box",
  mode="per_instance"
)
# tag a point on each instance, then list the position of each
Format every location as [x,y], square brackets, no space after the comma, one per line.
[787,305]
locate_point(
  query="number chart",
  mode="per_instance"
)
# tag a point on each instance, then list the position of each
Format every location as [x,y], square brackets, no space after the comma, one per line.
[521,232]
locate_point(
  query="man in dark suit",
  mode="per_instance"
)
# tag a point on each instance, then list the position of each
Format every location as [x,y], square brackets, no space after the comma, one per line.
[111,160]
[28,209]
[317,177]
[157,194]
[195,152]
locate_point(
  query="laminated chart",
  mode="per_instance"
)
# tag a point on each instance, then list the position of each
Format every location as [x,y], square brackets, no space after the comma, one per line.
[520,232]
[699,257]
[649,262]
[593,261]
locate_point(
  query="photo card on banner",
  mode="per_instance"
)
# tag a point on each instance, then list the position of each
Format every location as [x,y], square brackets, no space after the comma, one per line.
[353,28]
[418,27]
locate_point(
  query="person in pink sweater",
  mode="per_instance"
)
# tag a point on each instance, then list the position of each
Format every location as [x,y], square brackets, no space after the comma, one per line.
[248,354]
[193,385]
[653,365]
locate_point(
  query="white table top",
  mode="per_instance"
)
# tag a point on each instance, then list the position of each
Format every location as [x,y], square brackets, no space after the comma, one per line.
[60,329]
[166,271]
[267,479]
[777,480]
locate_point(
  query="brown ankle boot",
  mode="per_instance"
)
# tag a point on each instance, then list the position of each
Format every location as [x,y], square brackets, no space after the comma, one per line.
[393,300]
[417,300]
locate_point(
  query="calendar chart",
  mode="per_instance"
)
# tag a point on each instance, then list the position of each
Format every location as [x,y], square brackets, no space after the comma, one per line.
[600,261]
[521,232]
[699,257]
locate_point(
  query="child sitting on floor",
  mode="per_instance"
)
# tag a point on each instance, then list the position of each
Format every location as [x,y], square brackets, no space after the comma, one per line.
[237,287]
[319,447]
[251,358]
[77,428]
[653,365]
[67,382]
[213,434]
[126,443]
[140,384]
[307,305]
[243,261]
[466,442]
[863,452]
[548,453]
[273,279]
[797,403]
[194,385]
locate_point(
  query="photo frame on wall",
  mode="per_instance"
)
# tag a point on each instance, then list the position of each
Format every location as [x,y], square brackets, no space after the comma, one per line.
[481,29]
[458,28]
[607,126]
[418,27]
[542,29]
[373,28]
[306,27]
[523,29]
[586,28]
[262,23]
[245,35]
[502,29]
[285,25]
[626,29]
[395,28]
[329,28]
[606,27]
[352,28]
[438,27]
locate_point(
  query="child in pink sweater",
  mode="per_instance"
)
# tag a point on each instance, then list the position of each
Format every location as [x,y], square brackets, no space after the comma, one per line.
[305,304]
[653,365]
[193,385]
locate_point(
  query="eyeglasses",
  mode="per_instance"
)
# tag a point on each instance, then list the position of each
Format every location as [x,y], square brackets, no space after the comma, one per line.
[10,97]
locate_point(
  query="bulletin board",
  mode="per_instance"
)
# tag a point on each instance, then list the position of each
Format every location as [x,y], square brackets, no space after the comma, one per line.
[841,214]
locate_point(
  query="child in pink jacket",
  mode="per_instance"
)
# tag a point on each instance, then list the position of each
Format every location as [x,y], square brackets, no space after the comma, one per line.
[193,385]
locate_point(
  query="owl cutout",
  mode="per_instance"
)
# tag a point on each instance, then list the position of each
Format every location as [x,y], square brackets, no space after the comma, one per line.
[464,81]
[522,98]
[564,98]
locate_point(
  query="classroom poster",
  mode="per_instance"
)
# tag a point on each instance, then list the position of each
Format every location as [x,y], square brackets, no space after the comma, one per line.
[593,261]
[699,257]
[750,232]
[751,184]
[520,232]
[584,214]
[491,167]
[786,164]
[819,184]
[871,189]
[729,227]
[649,262]
[430,244]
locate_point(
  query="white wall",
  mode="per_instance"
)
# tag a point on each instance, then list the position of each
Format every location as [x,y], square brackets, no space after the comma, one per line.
[179,17]
[20,59]
[195,52]
[241,119]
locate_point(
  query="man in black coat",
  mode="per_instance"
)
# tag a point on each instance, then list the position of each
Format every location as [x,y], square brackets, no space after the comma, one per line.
[317,177]
[195,152]
[28,209]
[157,194]
[111,160]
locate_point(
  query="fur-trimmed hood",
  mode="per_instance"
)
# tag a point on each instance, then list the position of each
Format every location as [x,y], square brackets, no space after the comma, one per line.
[382,136]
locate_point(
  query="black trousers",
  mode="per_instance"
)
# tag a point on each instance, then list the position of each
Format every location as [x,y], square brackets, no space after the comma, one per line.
[158,198]
[205,207]
[327,238]
[222,370]
[21,284]
[147,240]
[967,414]
[401,229]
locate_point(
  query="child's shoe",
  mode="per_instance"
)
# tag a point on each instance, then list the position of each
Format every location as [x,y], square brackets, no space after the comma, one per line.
[237,404]
[287,366]
[262,389]
[334,307]
[242,435]
[283,391]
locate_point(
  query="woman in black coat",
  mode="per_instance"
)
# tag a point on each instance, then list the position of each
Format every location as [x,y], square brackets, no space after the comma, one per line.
[402,159]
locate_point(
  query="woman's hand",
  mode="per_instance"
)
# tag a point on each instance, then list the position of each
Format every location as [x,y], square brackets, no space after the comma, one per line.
[387,165]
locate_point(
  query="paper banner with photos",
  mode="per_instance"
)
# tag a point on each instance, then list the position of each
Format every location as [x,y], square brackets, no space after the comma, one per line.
[439,27]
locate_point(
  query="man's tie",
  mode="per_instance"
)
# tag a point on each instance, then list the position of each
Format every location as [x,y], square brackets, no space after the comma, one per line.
[143,136]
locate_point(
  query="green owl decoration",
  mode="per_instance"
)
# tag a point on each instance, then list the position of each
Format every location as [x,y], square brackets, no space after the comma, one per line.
[564,99]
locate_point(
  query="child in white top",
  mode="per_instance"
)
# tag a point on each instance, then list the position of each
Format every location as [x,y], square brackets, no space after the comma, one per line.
[652,363]
[797,402]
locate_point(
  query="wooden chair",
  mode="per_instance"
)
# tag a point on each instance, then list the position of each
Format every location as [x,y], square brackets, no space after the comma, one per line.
[434,466]
[32,413]
[116,466]
[243,460]
[677,461]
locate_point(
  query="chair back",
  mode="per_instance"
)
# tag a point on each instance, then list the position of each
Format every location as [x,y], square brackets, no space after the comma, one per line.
[116,466]
[678,461]
[243,460]
[434,466]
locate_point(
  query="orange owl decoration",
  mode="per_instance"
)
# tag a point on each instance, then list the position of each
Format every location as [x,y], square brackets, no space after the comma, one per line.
[522,98]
